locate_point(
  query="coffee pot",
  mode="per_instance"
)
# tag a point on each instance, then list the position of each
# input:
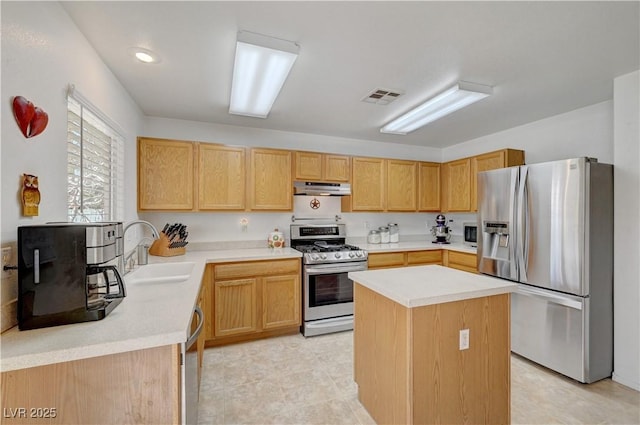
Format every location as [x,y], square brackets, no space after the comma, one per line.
[441,231]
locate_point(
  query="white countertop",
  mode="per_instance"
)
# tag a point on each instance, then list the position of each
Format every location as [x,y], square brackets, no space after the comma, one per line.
[415,246]
[426,285]
[151,315]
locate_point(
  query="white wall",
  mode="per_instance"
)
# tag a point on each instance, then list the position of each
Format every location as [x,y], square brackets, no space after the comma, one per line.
[584,132]
[246,136]
[627,230]
[42,52]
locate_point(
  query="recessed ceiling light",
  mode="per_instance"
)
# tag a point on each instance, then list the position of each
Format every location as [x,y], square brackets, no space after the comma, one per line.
[144,55]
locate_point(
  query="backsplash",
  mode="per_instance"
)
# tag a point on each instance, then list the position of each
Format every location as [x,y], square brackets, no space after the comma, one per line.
[226,230]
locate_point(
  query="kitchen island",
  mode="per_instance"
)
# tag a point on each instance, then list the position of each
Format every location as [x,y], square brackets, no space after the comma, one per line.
[432,345]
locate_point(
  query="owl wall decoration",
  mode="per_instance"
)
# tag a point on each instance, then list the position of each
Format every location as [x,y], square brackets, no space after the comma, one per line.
[30,195]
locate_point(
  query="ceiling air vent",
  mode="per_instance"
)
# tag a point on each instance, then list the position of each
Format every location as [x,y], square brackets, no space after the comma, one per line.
[382,96]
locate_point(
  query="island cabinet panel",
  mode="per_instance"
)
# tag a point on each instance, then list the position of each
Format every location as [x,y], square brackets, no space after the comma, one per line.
[221,177]
[270,182]
[140,386]
[410,369]
[165,174]
[462,386]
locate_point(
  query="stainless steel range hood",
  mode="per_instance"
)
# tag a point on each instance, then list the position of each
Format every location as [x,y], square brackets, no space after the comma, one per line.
[321,189]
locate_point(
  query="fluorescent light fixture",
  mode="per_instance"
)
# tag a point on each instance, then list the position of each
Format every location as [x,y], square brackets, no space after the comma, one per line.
[450,100]
[261,67]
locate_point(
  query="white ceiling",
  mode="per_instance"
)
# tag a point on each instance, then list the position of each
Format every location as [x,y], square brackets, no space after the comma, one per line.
[542,58]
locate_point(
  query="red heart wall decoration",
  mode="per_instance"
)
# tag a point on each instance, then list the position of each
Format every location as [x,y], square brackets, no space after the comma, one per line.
[31,119]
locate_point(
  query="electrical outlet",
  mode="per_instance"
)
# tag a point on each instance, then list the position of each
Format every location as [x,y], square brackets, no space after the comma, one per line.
[464,339]
[7,254]
[366,225]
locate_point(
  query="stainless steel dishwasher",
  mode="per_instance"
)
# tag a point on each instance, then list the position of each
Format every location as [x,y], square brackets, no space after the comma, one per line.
[190,387]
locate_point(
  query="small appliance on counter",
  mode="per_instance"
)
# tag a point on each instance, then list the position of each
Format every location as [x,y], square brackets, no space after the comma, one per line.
[441,231]
[68,273]
[470,231]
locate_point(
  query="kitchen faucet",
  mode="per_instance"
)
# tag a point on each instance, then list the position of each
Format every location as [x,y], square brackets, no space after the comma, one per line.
[126,258]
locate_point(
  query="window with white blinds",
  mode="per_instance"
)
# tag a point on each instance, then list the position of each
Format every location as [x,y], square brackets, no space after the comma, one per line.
[95,166]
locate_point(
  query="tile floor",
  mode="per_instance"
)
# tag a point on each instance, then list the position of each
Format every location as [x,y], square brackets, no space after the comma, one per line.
[293,380]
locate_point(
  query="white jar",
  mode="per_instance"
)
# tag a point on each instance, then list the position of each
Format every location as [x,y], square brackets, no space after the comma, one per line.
[384,234]
[394,235]
[374,236]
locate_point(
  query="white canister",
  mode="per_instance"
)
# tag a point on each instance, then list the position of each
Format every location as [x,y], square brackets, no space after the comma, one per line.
[276,239]
[373,237]
[394,233]
[384,234]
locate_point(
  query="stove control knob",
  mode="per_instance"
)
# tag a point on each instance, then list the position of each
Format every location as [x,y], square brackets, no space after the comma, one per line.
[338,255]
[351,254]
[323,256]
[315,257]
[358,253]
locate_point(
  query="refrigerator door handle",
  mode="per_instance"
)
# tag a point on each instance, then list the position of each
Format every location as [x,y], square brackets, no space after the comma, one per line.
[522,224]
[564,300]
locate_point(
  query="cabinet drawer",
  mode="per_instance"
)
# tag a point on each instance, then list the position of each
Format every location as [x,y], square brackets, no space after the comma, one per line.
[387,259]
[424,257]
[462,259]
[256,268]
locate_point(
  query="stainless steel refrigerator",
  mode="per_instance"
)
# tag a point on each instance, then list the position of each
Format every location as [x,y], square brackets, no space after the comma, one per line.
[549,226]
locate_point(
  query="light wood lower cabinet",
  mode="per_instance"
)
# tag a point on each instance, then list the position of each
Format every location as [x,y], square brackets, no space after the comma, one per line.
[384,260]
[140,386]
[461,261]
[251,300]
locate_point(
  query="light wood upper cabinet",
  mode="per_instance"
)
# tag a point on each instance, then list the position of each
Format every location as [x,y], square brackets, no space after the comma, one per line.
[314,166]
[402,185]
[428,186]
[456,185]
[368,181]
[270,183]
[308,166]
[491,161]
[221,177]
[165,174]
[337,168]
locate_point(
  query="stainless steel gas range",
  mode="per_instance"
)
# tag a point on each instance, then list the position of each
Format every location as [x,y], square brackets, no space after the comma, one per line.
[327,292]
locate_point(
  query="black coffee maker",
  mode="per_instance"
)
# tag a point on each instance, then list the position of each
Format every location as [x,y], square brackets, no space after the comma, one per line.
[68,273]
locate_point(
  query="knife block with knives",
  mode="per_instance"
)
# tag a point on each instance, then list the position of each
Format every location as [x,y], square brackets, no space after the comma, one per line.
[172,241]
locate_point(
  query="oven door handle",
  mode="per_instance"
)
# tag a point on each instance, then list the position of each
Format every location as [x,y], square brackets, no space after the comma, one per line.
[328,270]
